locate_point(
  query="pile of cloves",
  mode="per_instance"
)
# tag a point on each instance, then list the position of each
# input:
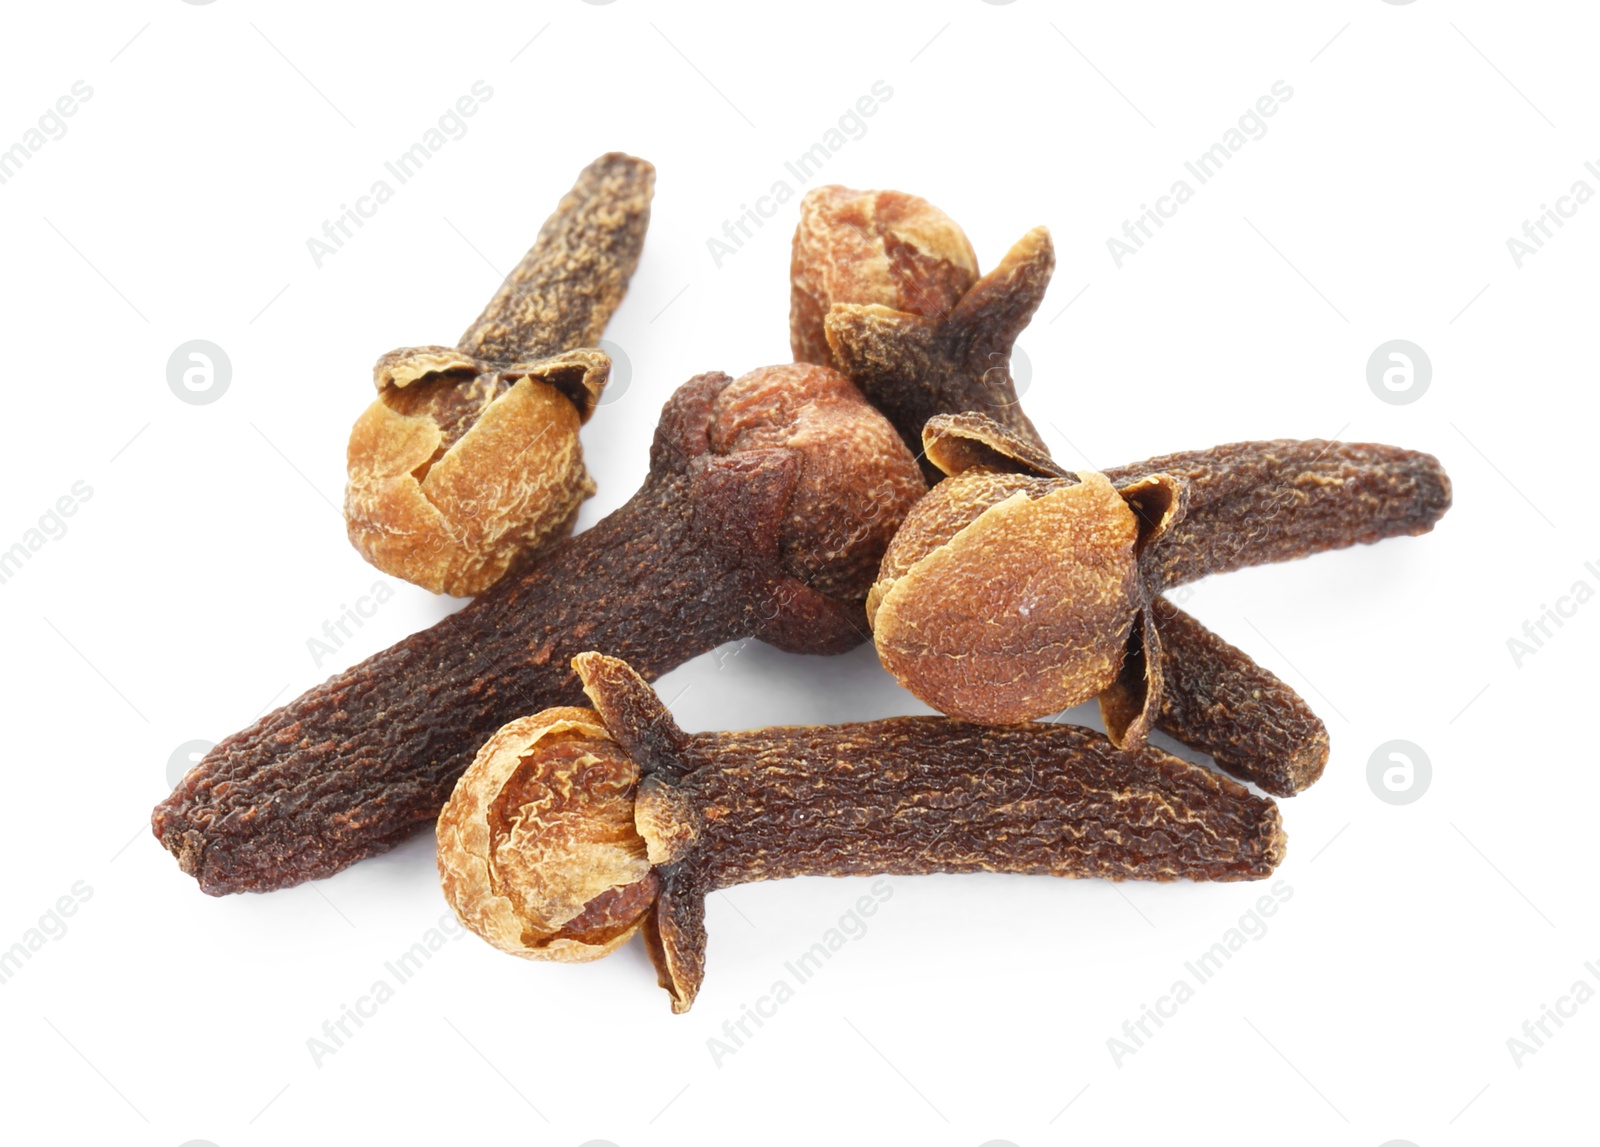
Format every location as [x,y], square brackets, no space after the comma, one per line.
[791,504]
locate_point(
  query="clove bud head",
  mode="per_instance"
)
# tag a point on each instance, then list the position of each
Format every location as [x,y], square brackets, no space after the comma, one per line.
[872,247]
[458,467]
[856,479]
[538,853]
[1005,596]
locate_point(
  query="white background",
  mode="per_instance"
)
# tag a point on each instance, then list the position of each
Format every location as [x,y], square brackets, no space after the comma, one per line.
[179,603]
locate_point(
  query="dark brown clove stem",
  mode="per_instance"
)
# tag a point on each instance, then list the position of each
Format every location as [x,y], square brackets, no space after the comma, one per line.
[366,759]
[565,289]
[1251,503]
[1216,699]
[917,795]
[709,550]
[913,795]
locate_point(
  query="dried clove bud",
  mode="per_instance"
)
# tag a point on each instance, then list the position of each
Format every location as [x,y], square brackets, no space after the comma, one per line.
[884,287]
[883,248]
[469,456]
[1211,695]
[537,850]
[768,505]
[573,829]
[986,568]
[1017,588]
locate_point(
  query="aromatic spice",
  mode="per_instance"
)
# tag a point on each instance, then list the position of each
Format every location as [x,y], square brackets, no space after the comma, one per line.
[575,828]
[469,457]
[882,248]
[767,507]
[1017,588]
[885,287]
[1212,696]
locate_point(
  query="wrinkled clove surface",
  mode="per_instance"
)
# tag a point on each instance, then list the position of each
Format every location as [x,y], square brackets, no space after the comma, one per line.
[1016,588]
[575,828]
[1215,698]
[872,248]
[768,504]
[469,456]
[848,249]
[885,287]
[1251,503]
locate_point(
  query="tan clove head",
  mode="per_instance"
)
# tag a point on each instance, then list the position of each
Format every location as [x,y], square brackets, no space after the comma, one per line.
[459,467]
[1007,596]
[538,852]
[872,247]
